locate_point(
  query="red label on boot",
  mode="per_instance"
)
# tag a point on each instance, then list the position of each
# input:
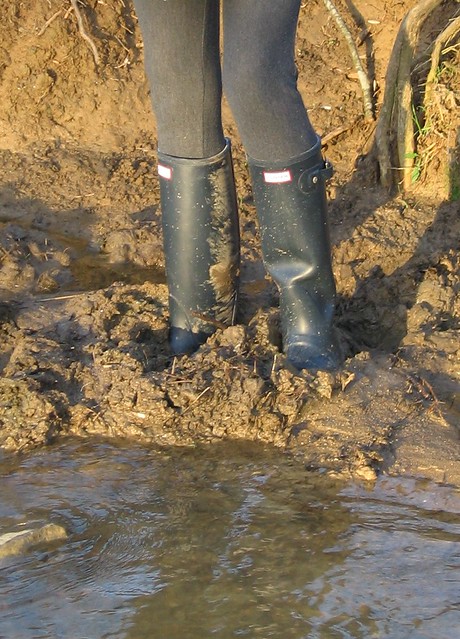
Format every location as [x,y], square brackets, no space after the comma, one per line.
[277,177]
[165,171]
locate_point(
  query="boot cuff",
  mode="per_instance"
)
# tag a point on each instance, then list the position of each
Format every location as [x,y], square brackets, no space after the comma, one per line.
[215,159]
[310,158]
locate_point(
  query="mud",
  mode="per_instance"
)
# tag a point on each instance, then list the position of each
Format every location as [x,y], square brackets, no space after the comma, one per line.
[83,304]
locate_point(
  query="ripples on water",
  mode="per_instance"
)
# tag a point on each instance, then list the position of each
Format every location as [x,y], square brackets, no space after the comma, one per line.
[228,541]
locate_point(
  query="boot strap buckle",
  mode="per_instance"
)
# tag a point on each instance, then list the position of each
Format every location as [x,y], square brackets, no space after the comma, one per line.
[309,180]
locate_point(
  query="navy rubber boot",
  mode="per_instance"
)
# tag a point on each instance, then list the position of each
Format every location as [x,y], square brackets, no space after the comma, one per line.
[291,205]
[201,245]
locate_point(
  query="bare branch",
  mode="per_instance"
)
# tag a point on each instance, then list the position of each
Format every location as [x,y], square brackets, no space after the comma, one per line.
[362,75]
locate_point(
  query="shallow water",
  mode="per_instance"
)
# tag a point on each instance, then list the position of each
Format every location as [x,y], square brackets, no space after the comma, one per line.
[228,541]
[93,271]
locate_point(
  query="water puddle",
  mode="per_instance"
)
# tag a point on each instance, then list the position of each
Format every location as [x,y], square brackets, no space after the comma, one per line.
[226,541]
[93,271]
[64,263]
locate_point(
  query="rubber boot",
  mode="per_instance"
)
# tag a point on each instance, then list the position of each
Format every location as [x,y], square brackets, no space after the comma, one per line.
[201,245]
[291,204]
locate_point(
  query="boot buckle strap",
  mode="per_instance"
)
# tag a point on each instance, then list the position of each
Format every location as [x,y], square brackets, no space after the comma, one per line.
[309,180]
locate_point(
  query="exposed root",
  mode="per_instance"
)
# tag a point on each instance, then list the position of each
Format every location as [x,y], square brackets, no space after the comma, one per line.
[48,22]
[443,39]
[83,33]
[395,124]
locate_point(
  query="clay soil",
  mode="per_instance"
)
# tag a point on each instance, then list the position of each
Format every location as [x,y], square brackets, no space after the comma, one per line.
[83,303]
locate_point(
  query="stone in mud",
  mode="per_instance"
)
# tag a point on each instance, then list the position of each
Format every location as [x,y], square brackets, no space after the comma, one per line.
[12,544]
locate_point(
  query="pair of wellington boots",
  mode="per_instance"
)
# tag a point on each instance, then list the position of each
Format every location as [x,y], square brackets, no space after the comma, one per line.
[202,250]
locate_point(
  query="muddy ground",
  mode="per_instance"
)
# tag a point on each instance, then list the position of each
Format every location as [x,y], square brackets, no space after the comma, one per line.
[83,304]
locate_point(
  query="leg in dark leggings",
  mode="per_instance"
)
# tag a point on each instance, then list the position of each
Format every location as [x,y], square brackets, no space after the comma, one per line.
[181,41]
[260,78]
[197,191]
[197,195]
[288,173]
[181,50]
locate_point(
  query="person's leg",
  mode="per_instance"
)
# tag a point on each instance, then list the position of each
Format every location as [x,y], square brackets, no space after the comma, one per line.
[288,173]
[198,201]
[182,63]
[260,78]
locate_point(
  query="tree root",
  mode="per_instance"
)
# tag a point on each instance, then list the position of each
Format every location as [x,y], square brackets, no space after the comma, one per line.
[48,22]
[83,33]
[395,135]
[440,43]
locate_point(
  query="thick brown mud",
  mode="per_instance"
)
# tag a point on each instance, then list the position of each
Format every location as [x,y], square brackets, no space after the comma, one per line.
[83,304]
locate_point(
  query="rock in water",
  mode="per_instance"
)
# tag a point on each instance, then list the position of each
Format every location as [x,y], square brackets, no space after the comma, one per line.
[16,543]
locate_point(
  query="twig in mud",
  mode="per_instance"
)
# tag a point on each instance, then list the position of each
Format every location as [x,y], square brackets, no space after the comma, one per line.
[196,400]
[209,320]
[82,31]
[6,253]
[122,45]
[335,133]
[126,62]
[362,75]
[48,22]
[426,391]
[97,416]
[273,365]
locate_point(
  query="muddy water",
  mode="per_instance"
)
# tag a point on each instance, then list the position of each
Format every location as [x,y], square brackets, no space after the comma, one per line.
[228,541]
[94,271]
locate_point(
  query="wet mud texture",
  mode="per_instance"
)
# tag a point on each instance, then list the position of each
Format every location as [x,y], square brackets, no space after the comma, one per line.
[83,304]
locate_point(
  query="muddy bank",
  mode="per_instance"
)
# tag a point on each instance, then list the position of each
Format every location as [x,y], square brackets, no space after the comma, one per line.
[83,302]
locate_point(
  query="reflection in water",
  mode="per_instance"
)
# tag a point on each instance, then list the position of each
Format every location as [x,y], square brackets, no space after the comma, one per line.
[225,541]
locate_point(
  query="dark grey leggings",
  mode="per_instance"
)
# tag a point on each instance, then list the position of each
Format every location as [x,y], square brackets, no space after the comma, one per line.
[259,76]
